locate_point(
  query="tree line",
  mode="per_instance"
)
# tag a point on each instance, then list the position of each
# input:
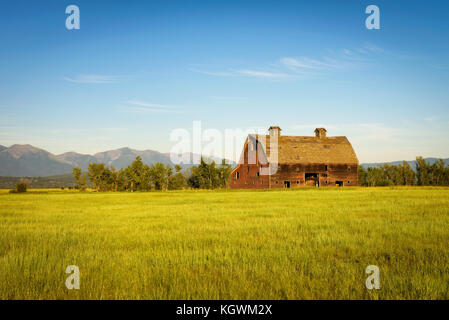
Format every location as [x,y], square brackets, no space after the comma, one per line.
[141,177]
[208,175]
[425,174]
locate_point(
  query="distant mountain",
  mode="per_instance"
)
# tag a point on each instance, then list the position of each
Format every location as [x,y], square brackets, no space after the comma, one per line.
[121,158]
[412,163]
[77,159]
[29,161]
[26,160]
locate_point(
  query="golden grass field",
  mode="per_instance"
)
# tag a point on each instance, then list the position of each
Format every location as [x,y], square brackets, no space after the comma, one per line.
[286,244]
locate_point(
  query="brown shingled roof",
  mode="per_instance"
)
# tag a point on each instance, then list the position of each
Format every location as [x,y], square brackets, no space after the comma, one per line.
[305,149]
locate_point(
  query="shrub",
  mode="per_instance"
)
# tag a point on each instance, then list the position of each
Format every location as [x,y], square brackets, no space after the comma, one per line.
[21,187]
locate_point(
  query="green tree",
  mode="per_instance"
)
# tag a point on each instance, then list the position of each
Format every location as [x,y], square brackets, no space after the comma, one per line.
[224,174]
[95,172]
[136,174]
[159,174]
[80,179]
[204,176]
[408,176]
[178,180]
[391,175]
[374,177]
[438,173]
[118,178]
[362,176]
[422,172]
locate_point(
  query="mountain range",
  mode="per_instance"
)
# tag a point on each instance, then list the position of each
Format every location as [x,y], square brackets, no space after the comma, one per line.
[29,161]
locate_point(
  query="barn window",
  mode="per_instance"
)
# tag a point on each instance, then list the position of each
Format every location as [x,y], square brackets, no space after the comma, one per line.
[277,182]
[325,168]
[297,182]
[236,175]
[349,182]
[258,173]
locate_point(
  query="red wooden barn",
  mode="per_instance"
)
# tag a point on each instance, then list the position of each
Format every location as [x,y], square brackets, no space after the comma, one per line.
[276,161]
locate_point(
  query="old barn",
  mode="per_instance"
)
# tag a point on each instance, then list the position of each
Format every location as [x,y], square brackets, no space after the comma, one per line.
[277,161]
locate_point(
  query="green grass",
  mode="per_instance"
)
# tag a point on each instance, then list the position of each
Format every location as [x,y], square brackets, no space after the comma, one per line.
[304,244]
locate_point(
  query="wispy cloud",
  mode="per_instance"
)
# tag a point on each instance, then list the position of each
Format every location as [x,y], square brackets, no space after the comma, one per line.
[309,65]
[149,107]
[373,48]
[260,74]
[333,60]
[299,63]
[290,67]
[212,73]
[93,78]
[244,72]
[149,104]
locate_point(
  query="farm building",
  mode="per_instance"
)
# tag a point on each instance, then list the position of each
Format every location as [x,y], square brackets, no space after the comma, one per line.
[276,161]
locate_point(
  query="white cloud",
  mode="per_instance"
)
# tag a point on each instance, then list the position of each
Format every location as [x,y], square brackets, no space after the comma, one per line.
[247,73]
[211,73]
[146,110]
[148,107]
[93,78]
[293,67]
[149,104]
[260,74]
[299,63]
[373,48]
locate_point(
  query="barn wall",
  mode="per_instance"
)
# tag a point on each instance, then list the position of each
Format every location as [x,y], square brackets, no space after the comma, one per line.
[295,174]
[327,175]
[248,178]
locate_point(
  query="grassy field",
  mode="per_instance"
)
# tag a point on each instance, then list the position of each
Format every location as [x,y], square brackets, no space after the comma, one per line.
[304,244]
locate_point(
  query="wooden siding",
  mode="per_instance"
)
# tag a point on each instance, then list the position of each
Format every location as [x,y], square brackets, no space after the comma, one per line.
[293,171]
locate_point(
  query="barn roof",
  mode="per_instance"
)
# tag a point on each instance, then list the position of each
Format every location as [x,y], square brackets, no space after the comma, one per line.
[309,149]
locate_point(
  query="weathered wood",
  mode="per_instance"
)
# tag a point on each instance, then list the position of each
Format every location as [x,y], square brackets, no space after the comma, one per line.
[312,161]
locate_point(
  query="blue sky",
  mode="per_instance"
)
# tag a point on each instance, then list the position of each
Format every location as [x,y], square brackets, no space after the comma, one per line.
[136,70]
